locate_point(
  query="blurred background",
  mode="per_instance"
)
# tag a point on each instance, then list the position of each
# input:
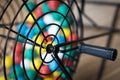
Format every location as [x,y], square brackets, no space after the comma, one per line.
[98,18]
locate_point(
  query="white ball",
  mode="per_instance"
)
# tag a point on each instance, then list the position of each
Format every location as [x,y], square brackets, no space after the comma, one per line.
[48,58]
[53,29]
[28,46]
[48,19]
[60,55]
[26,64]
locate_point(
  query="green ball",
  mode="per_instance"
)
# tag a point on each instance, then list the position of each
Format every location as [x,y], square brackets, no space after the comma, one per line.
[67,22]
[45,8]
[56,16]
[63,9]
[19,72]
[31,6]
[28,54]
[31,74]
[70,53]
[20,38]
[69,71]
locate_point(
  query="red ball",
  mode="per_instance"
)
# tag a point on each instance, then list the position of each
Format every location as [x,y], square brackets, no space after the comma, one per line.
[18,58]
[29,25]
[49,38]
[18,48]
[73,37]
[53,4]
[44,70]
[38,11]
[56,78]
[68,62]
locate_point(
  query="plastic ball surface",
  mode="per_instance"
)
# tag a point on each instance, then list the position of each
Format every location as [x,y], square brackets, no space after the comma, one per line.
[53,65]
[18,58]
[18,48]
[38,11]
[30,18]
[26,64]
[19,72]
[44,70]
[47,57]
[53,29]
[53,4]
[8,61]
[31,74]
[48,19]
[37,63]
[66,31]
[63,9]
[21,28]
[28,54]
[45,8]
[31,6]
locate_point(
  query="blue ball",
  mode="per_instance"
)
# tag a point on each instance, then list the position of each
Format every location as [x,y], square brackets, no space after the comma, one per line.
[61,39]
[31,33]
[53,65]
[22,28]
[41,23]
[21,78]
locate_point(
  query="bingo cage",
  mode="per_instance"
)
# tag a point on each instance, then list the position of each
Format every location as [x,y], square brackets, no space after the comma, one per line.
[43,39]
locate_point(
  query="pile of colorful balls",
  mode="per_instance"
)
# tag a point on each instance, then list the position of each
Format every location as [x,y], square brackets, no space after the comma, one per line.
[46,23]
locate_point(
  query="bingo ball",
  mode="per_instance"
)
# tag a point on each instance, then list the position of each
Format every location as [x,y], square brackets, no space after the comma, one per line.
[56,16]
[72,38]
[53,5]
[63,9]
[19,72]
[38,11]
[53,30]
[44,70]
[26,64]
[45,8]
[37,64]
[18,48]
[29,53]
[31,74]
[48,19]
[66,32]
[8,61]
[21,28]
[30,18]
[18,58]
[31,6]
[53,65]
[2,77]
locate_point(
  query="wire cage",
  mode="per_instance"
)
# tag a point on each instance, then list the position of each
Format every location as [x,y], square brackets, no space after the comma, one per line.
[43,39]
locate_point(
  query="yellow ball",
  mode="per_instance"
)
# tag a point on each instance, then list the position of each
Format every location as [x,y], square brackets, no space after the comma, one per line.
[66,32]
[48,78]
[38,40]
[30,19]
[8,62]
[2,77]
[56,73]
[37,63]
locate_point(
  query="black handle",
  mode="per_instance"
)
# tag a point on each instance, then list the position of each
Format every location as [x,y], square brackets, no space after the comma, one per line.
[107,53]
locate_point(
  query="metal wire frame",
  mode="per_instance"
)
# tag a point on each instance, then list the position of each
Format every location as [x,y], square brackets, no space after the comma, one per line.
[26,37]
[78,25]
